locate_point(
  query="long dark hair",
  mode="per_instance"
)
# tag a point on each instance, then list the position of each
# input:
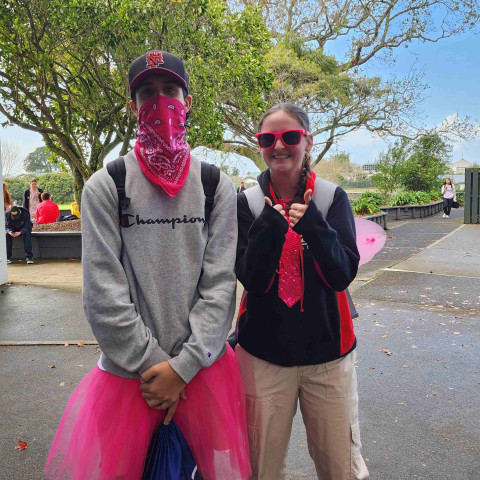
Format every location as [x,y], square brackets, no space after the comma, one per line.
[301,116]
[445,181]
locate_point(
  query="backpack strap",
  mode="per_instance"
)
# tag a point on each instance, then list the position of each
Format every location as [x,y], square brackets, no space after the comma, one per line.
[117,171]
[210,177]
[255,199]
[323,195]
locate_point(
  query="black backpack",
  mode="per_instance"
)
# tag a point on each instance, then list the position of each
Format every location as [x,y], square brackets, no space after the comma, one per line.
[210,175]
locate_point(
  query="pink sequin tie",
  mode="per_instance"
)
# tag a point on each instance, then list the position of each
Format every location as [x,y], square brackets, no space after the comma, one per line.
[289,272]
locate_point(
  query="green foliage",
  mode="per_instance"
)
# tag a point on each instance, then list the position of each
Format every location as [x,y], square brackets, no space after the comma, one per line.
[17,187]
[365,206]
[435,195]
[389,167]
[58,185]
[413,198]
[38,162]
[64,66]
[373,197]
[422,198]
[428,159]
[461,198]
[415,166]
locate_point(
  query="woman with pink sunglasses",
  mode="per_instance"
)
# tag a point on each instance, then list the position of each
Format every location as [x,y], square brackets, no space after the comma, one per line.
[295,334]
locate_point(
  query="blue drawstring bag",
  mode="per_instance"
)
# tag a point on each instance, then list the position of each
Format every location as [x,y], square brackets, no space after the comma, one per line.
[169,456]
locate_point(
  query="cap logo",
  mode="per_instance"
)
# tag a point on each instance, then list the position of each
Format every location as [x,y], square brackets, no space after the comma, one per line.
[154,59]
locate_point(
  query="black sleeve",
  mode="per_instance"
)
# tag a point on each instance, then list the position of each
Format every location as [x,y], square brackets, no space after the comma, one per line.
[260,244]
[332,241]
[25,200]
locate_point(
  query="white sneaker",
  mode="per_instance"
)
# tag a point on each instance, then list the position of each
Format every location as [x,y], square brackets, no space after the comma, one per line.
[8,261]
[443,215]
[446,216]
[29,260]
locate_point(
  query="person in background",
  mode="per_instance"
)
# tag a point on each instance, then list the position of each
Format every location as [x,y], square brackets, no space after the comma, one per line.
[296,342]
[449,196]
[47,211]
[31,198]
[241,188]
[7,198]
[17,222]
[74,208]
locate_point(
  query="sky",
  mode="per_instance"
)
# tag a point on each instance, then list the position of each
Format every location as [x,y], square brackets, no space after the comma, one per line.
[452,72]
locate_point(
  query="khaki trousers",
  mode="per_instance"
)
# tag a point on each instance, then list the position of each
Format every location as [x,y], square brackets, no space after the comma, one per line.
[329,405]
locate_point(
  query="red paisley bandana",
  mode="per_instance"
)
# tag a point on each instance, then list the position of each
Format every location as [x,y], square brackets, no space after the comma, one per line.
[290,269]
[162,152]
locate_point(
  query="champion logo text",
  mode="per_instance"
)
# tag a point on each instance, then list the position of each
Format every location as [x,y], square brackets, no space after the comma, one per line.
[128,220]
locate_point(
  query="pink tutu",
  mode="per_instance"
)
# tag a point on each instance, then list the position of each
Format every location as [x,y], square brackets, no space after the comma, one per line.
[106,429]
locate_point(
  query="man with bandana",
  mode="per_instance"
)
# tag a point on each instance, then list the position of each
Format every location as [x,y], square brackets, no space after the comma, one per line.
[159,294]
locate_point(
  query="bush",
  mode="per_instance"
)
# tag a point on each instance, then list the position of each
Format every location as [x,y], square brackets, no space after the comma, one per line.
[435,195]
[17,187]
[58,185]
[402,198]
[373,197]
[413,198]
[422,197]
[364,206]
[461,198]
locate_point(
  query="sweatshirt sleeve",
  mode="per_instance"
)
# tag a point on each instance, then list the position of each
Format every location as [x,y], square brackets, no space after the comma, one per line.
[260,244]
[332,241]
[116,324]
[211,316]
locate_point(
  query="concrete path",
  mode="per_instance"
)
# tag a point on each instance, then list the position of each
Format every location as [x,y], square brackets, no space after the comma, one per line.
[418,357]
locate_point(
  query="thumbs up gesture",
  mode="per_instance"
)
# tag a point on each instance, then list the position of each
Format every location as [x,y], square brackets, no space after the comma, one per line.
[297,210]
[278,207]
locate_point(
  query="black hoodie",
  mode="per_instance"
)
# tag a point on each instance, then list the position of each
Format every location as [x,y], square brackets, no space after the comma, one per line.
[268,328]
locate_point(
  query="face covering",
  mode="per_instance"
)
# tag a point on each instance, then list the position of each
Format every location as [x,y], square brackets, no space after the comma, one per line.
[162,152]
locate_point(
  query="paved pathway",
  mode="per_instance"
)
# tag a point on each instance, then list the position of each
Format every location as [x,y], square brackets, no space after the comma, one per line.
[418,405]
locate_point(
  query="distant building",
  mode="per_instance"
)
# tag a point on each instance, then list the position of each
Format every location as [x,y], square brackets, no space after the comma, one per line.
[369,167]
[459,167]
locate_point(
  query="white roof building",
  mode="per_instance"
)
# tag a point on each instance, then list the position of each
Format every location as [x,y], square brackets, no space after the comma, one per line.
[460,166]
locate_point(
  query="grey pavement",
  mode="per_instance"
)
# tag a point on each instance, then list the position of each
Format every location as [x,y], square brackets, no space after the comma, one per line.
[418,357]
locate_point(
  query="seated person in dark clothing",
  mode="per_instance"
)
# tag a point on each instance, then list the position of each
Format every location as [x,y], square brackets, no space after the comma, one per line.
[17,222]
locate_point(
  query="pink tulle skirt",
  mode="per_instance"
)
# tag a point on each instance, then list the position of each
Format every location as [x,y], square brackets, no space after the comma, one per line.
[106,429]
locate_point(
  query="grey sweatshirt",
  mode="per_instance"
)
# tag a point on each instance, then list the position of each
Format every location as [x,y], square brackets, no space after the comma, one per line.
[162,289]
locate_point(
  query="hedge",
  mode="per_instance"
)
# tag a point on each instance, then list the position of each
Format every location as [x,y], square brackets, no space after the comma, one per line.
[59,185]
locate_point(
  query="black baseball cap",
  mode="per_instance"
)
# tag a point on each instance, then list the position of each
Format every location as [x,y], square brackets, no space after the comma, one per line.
[157,61]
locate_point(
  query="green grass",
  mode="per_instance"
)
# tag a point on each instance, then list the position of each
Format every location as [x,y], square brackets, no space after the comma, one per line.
[64,206]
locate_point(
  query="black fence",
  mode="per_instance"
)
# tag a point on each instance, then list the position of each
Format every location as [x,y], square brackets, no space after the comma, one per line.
[472,195]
